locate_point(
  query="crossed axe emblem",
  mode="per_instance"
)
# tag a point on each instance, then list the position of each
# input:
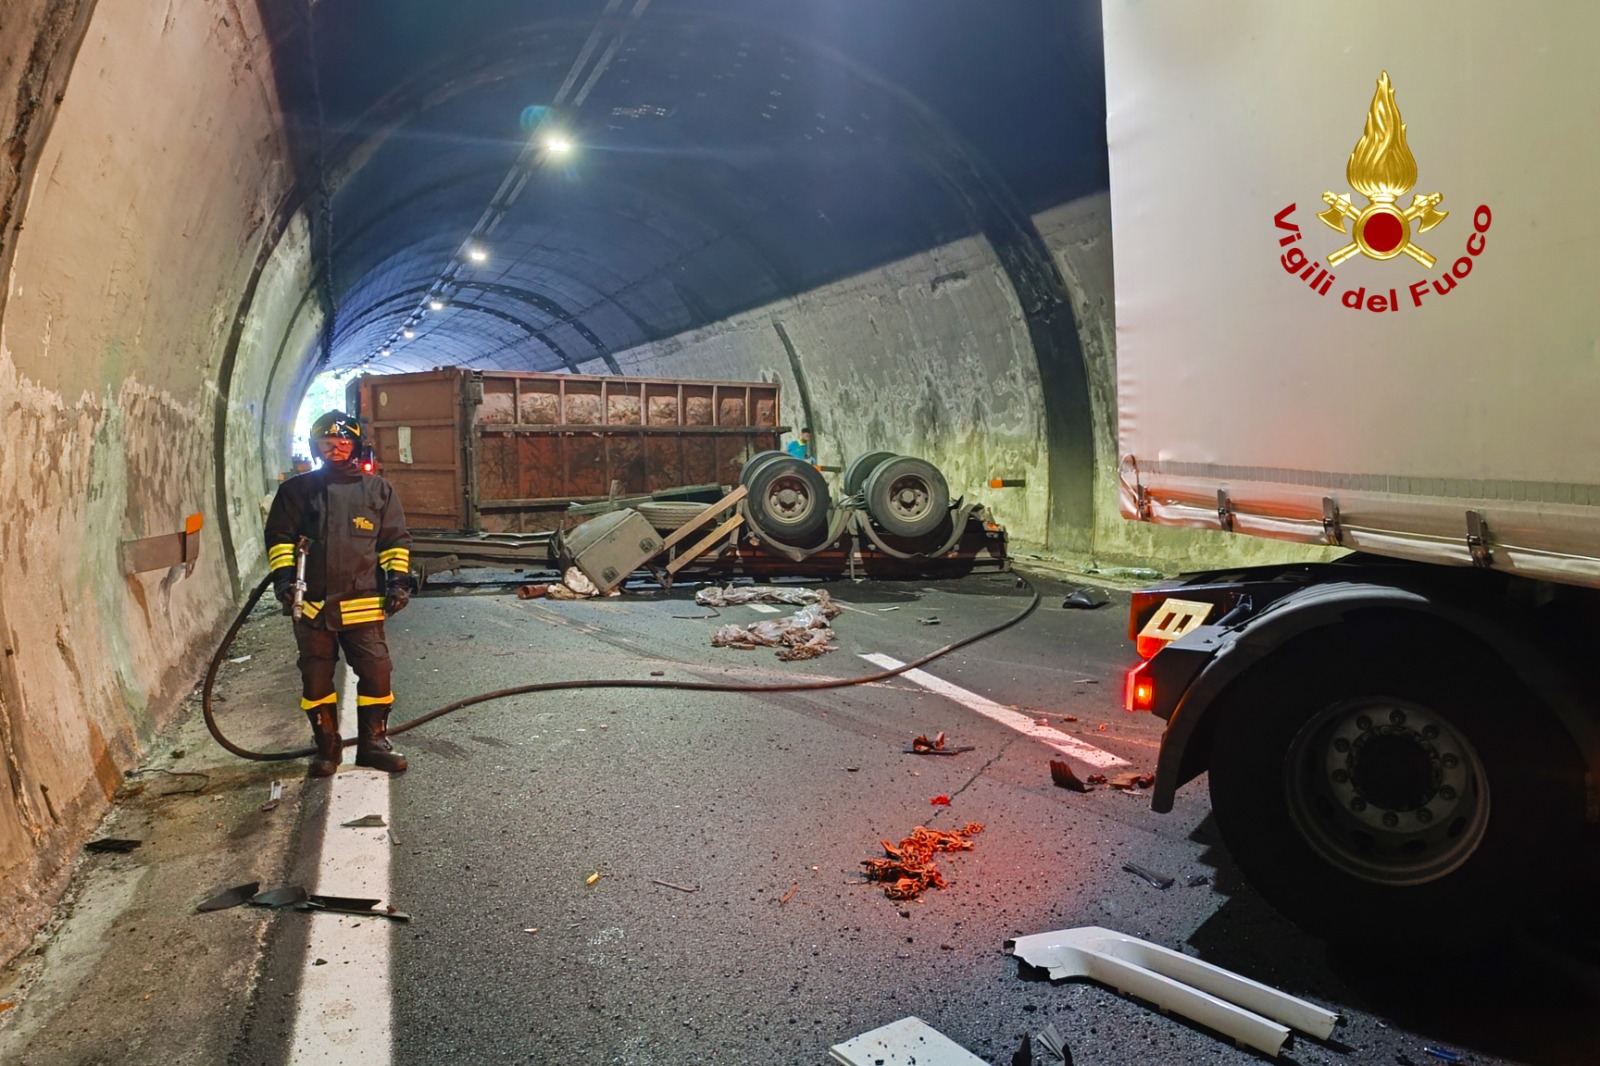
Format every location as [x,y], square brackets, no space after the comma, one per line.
[1382,230]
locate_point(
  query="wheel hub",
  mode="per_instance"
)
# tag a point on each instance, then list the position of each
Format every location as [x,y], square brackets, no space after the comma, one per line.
[1387,790]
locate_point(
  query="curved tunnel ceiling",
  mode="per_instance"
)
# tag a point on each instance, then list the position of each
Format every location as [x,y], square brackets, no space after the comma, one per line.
[727,153]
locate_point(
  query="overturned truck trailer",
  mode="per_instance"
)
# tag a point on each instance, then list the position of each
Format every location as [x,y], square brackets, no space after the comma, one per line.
[503,452]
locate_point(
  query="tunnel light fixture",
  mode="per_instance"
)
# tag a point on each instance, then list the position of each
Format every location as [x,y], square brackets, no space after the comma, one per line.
[557,144]
[476,253]
[436,304]
[408,333]
[384,350]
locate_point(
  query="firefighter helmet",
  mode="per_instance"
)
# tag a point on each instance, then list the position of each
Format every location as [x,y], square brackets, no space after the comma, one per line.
[337,424]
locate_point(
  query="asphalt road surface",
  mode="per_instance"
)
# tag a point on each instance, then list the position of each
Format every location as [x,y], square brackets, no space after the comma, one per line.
[730,921]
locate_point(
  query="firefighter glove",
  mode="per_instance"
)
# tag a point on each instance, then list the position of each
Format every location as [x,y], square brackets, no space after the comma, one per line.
[399,595]
[285,596]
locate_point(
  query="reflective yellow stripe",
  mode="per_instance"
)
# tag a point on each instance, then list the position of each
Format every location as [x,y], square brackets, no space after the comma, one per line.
[332,697]
[280,555]
[389,556]
[373,701]
[362,619]
[310,610]
[362,610]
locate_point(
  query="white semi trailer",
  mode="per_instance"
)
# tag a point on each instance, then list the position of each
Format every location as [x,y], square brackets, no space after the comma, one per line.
[1357,263]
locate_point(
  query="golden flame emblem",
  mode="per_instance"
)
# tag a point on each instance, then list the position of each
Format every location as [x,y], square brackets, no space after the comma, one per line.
[1382,169]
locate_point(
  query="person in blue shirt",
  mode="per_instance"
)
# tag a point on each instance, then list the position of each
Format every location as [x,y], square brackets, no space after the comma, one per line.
[800,446]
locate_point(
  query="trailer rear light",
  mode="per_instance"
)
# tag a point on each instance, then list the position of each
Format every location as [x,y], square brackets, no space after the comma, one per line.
[1170,621]
[1139,689]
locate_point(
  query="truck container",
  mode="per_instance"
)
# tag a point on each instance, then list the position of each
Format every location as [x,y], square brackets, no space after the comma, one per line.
[504,452]
[1355,271]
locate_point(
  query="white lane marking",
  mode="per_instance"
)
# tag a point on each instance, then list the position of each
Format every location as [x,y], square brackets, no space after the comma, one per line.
[1055,738]
[344,1011]
[764,608]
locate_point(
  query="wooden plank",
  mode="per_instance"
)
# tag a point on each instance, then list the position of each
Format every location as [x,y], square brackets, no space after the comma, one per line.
[703,517]
[705,542]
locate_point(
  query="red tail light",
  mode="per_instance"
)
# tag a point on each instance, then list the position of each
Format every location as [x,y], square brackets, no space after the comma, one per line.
[367,466]
[1139,689]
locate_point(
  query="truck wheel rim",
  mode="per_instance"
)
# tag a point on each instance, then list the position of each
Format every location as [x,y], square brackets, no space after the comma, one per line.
[789,500]
[1387,791]
[910,497]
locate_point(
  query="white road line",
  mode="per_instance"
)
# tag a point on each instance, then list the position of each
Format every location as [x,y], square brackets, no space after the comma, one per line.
[344,1010]
[1055,738]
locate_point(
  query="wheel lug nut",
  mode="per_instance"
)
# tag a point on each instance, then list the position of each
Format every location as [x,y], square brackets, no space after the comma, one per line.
[1358,804]
[1391,819]
[1363,723]
[1424,815]
[1450,762]
[1430,731]
[1341,745]
[1397,716]
[1340,776]
[1447,793]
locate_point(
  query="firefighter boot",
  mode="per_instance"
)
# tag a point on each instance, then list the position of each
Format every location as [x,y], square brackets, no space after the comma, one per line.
[372,743]
[330,747]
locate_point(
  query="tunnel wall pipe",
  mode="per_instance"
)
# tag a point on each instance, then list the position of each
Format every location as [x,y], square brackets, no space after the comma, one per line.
[932,356]
[138,234]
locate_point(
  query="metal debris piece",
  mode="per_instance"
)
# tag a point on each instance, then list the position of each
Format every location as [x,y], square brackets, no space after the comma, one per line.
[1055,1044]
[1150,877]
[1444,1054]
[230,897]
[240,659]
[941,800]
[368,821]
[1023,1056]
[669,884]
[787,896]
[1249,1012]
[903,1043]
[274,795]
[280,897]
[1132,780]
[113,844]
[922,745]
[1064,776]
[1196,880]
[896,607]
[932,621]
[366,908]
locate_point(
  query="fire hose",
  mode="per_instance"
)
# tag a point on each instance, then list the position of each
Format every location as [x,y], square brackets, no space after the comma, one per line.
[554,686]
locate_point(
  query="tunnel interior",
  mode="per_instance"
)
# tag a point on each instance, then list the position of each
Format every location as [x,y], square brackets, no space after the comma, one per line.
[896,211]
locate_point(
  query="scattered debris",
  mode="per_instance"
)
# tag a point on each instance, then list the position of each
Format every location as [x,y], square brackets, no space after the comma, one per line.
[803,635]
[366,908]
[1150,877]
[230,897]
[731,596]
[1131,779]
[1055,1044]
[274,795]
[6,1005]
[1023,1056]
[1096,779]
[787,896]
[1086,598]
[592,878]
[368,821]
[903,1043]
[923,746]
[532,592]
[573,586]
[280,897]
[1176,982]
[941,800]
[1062,774]
[1444,1054]
[896,607]
[204,778]
[931,621]
[532,930]
[669,884]
[113,844]
[1196,880]
[658,673]
[240,659]
[909,868]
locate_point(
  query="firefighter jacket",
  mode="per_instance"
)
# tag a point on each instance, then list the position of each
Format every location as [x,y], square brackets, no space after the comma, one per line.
[358,543]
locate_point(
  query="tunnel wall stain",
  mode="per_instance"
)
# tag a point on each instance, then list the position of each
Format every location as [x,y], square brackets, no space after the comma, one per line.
[138,232]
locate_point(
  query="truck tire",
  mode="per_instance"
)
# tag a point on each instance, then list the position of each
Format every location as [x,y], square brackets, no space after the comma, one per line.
[668,515]
[1369,786]
[860,468]
[788,499]
[907,497]
[753,465]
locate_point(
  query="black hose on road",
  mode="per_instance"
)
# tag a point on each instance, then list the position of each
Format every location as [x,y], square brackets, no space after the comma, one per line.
[552,686]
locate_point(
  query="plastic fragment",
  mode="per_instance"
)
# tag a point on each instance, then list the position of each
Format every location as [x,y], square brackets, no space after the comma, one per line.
[592,878]
[940,800]
[369,821]
[280,897]
[229,897]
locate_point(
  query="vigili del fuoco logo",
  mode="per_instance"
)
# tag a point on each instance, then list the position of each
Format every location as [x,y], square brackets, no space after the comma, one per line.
[1382,169]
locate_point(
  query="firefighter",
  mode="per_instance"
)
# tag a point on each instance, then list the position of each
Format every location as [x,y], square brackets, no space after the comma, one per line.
[357,571]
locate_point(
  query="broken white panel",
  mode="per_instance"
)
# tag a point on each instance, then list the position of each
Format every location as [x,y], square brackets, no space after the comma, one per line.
[404,434]
[907,1042]
[1249,1012]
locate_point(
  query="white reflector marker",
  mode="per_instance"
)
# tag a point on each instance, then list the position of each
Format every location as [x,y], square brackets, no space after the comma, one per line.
[1049,735]
[343,1013]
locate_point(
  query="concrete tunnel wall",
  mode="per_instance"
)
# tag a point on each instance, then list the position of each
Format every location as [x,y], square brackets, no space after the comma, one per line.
[160,321]
[146,158]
